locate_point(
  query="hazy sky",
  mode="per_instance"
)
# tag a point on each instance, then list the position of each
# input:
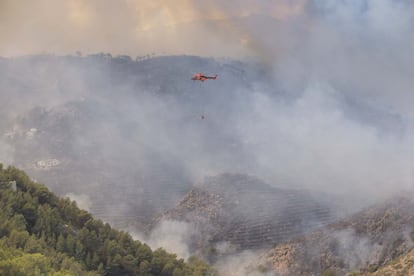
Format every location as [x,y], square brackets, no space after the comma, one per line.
[133,27]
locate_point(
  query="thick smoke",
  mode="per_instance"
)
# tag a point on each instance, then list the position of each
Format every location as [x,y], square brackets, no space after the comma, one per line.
[361,48]
[173,236]
[313,141]
[352,53]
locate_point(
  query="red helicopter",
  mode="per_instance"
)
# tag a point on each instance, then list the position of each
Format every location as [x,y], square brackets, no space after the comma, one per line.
[201,77]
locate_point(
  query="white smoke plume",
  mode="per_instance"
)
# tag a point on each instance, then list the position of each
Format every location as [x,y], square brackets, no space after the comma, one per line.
[242,263]
[173,236]
[82,201]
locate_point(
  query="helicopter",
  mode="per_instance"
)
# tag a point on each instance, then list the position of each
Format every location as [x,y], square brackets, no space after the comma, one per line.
[202,77]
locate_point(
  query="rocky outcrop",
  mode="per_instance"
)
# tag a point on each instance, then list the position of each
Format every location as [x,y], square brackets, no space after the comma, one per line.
[362,242]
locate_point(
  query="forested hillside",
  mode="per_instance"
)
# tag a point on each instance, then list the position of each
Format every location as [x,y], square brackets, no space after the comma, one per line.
[42,234]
